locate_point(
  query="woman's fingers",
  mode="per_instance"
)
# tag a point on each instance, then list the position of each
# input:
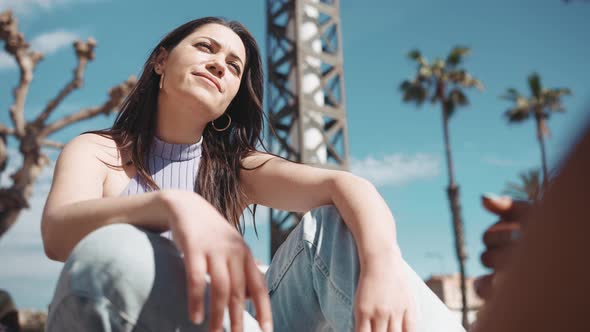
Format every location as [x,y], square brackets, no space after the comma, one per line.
[259,294]
[196,269]
[394,325]
[391,327]
[376,322]
[362,325]
[237,292]
[220,292]
[380,323]
[409,322]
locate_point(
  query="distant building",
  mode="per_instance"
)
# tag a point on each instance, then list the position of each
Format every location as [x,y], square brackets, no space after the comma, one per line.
[448,289]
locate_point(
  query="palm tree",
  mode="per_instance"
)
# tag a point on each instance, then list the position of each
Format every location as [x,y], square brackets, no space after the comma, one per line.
[539,105]
[443,81]
[530,187]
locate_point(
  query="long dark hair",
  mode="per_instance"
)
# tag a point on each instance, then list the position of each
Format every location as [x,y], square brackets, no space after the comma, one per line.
[222,152]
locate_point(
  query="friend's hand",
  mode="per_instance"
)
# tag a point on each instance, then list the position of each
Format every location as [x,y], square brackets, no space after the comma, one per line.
[211,245]
[384,300]
[500,238]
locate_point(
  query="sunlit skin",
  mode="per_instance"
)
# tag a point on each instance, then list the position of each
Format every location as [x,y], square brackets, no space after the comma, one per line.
[188,100]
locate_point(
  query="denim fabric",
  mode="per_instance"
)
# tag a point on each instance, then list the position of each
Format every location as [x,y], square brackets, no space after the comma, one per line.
[122,278]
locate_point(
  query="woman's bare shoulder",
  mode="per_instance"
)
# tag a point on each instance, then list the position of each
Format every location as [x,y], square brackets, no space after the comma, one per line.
[256,158]
[102,147]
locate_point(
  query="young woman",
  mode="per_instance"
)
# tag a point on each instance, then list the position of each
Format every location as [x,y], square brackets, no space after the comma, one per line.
[181,160]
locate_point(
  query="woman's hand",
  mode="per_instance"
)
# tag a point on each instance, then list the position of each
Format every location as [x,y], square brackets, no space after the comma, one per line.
[211,245]
[384,300]
[500,239]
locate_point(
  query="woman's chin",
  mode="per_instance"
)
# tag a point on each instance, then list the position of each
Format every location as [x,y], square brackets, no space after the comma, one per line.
[199,96]
[208,112]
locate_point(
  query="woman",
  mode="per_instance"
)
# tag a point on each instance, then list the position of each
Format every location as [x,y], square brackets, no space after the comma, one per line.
[181,157]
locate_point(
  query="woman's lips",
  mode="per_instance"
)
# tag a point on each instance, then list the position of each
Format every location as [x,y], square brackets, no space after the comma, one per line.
[210,80]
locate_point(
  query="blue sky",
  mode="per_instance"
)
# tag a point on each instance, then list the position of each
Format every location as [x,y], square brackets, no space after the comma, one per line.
[397,146]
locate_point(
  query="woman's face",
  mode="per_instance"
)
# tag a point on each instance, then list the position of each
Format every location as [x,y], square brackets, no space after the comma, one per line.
[203,72]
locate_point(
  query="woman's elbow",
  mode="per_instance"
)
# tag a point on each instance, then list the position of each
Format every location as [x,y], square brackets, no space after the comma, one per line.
[49,241]
[52,255]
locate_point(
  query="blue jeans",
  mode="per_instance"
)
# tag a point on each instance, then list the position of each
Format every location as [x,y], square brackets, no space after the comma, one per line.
[121,278]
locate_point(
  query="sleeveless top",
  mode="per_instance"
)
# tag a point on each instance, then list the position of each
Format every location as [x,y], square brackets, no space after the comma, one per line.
[171,166]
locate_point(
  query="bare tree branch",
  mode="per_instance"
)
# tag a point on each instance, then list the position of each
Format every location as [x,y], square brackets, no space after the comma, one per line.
[5,130]
[116,96]
[84,53]
[52,144]
[16,45]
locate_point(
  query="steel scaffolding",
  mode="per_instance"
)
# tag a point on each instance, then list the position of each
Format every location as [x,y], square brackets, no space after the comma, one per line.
[306,101]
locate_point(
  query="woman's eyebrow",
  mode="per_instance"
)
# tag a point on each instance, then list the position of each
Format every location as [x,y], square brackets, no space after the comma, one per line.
[217,44]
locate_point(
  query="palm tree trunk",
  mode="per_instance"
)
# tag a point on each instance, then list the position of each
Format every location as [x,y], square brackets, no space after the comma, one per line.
[453,195]
[540,137]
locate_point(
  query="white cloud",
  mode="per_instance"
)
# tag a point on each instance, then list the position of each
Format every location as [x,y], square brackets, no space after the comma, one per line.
[50,42]
[28,7]
[46,43]
[397,169]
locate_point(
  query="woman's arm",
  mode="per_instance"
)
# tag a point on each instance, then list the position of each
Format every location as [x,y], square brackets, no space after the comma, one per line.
[383,299]
[210,245]
[75,206]
[294,187]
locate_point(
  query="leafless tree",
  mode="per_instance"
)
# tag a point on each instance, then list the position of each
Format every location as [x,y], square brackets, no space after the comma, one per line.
[32,135]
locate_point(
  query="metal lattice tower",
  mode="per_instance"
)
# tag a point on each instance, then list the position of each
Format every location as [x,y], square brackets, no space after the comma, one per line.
[305,91]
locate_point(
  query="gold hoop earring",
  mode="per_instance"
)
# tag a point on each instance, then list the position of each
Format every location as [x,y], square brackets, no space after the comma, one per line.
[161,81]
[224,128]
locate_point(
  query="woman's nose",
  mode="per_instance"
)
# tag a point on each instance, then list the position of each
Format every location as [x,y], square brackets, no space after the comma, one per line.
[216,69]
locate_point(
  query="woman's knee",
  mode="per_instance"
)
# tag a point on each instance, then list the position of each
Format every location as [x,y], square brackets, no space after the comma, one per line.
[114,247]
[110,265]
[137,273]
[110,260]
[326,212]
[324,219]
[324,229]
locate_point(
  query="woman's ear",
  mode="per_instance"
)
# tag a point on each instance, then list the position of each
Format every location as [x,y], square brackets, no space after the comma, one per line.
[160,61]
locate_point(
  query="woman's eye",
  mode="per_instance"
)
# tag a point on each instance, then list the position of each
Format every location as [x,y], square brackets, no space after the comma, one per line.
[236,67]
[205,46]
